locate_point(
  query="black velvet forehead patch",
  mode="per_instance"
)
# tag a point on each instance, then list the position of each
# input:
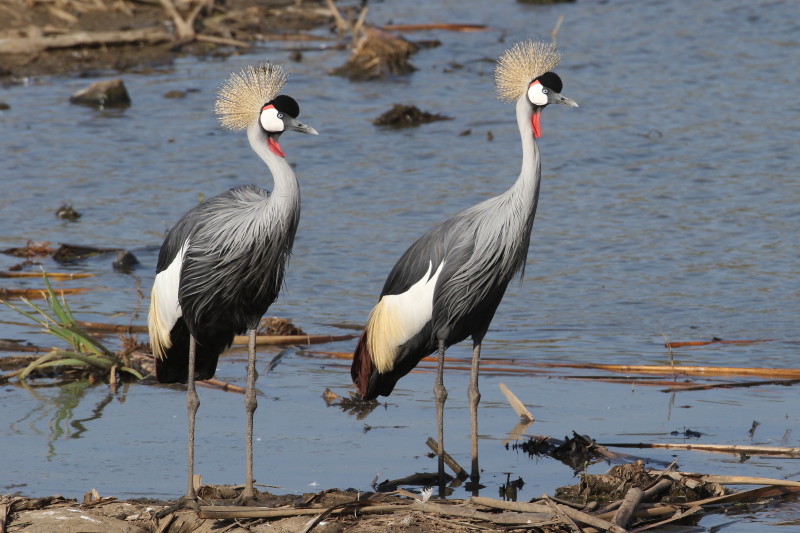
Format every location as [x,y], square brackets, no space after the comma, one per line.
[551,81]
[285,104]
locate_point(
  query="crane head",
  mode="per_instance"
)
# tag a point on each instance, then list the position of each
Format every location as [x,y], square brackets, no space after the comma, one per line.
[279,115]
[543,91]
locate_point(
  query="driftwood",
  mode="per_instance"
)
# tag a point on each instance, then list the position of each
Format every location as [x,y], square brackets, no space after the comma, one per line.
[525,416]
[625,512]
[34,45]
[716,448]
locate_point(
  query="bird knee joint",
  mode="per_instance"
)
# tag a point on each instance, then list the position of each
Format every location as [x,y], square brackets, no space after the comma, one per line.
[250,402]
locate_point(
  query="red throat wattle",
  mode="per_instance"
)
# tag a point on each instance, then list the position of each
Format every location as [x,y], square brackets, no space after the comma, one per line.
[274,147]
[535,126]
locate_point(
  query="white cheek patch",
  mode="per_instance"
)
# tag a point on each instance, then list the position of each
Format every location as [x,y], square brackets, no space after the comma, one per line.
[536,94]
[270,121]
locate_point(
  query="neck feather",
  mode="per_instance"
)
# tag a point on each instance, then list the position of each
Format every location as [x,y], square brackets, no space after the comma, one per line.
[527,185]
[282,173]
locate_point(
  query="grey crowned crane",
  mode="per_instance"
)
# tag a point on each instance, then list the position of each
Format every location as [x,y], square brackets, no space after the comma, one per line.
[221,266]
[448,284]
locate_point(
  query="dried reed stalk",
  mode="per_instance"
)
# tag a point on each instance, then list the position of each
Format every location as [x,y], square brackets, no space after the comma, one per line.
[717,448]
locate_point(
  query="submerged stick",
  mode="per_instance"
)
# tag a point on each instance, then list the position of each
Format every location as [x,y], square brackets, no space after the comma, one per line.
[35,293]
[264,340]
[51,275]
[689,370]
[454,466]
[670,344]
[111,328]
[434,26]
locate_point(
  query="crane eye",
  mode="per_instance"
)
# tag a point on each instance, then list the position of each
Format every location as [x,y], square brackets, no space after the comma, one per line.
[544,91]
[280,115]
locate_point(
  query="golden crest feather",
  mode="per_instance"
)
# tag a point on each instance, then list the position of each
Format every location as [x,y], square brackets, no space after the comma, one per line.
[241,96]
[521,64]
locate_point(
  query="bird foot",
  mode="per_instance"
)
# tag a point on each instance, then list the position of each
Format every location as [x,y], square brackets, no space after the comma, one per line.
[244,499]
[183,503]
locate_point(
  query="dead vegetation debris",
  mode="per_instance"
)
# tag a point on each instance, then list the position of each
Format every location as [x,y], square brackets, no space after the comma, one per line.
[576,452]
[351,404]
[404,116]
[643,499]
[378,54]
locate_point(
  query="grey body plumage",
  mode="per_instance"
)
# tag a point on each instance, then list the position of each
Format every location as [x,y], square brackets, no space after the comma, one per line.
[222,264]
[236,246]
[449,283]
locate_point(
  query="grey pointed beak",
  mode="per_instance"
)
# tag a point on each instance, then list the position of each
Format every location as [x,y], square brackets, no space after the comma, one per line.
[294,125]
[563,100]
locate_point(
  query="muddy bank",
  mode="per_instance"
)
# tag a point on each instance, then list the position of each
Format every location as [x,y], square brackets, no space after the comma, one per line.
[84,37]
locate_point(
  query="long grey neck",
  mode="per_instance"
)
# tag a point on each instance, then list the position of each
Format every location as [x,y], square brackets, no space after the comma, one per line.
[286,189]
[526,188]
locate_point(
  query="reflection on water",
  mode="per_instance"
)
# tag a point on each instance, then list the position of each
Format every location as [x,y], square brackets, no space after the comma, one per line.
[668,204]
[57,413]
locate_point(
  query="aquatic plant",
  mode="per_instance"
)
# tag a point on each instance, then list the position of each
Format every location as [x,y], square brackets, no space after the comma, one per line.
[85,352]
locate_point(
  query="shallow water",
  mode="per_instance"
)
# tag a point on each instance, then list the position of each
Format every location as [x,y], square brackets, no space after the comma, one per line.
[669,207]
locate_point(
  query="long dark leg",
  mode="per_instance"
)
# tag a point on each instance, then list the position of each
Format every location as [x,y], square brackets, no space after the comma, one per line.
[440,394]
[250,404]
[474,397]
[192,404]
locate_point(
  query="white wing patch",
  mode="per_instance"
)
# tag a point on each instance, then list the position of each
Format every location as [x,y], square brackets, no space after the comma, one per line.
[165,309]
[398,317]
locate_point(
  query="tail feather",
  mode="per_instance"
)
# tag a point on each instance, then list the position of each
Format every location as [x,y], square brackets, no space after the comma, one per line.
[363,367]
